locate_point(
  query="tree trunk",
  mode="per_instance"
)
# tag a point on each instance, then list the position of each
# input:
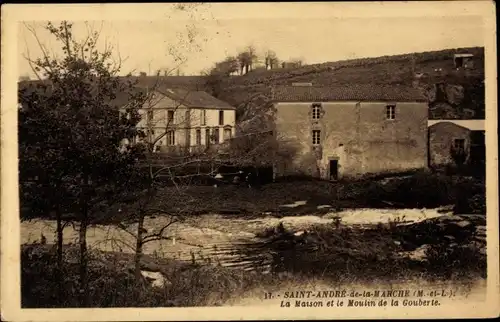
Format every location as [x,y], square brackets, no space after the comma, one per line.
[140,232]
[59,250]
[84,287]
[138,248]
[83,260]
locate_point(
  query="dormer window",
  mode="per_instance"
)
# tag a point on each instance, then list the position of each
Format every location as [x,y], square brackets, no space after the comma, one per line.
[316,111]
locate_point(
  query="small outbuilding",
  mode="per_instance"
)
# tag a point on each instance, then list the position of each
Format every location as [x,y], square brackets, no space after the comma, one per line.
[452,141]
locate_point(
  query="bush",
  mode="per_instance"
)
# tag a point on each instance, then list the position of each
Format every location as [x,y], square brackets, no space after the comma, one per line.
[341,253]
[470,194]
[112,283]
[447,260]
[418,190]
[423,189]
[108,286]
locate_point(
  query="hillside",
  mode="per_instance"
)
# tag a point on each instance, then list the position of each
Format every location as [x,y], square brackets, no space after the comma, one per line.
[379,70]
[453,93]
[463,89]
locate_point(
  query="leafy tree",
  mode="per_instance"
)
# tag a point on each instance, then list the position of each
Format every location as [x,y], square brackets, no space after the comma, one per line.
[257,143]
[226,67]
[216,76]
[74,109]
[474,97]
[247,58]
[271,59]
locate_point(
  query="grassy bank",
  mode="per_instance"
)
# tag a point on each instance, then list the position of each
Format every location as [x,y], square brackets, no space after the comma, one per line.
[414,190]
[417,190]
[112,284]
[334,254]
[433,249]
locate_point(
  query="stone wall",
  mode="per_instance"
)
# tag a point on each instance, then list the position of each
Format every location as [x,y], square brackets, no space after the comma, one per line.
[358,135]
[441,138]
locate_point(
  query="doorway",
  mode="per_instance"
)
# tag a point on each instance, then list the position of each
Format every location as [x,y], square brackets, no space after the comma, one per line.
[334,169]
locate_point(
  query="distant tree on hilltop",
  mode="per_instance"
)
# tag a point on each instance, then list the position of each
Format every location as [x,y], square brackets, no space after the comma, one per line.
[271,59]
[247,58]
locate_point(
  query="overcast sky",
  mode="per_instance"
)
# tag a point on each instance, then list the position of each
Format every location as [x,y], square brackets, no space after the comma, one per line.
[307,32]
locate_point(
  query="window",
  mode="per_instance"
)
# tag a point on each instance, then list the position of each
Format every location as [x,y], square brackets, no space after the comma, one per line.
[390,112]
[316,137]
[170,117]
[171,137]
[198,137]
[216,135]
[203,117]
[316,111]
[227,133]
[207,137]
[459,144]
[150,116]
[221,117]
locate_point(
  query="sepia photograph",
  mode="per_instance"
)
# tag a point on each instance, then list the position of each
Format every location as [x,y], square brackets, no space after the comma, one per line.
[249,161]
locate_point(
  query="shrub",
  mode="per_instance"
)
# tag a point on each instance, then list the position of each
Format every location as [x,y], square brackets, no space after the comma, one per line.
[112,284]
[108,286]
[453,260]
[421,189]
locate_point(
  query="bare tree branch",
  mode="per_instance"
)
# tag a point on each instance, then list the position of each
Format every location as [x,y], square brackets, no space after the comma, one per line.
[159,235]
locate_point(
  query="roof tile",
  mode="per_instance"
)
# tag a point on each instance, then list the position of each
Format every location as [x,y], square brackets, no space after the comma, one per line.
[363,92]
[195,99]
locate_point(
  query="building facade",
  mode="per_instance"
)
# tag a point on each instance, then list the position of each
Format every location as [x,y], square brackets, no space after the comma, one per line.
[449,138]
[180,120]
[351,131]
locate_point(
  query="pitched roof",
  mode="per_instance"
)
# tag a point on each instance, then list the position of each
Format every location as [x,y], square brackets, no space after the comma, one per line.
[363,92]
[188,97]
[473,125]
[195,99]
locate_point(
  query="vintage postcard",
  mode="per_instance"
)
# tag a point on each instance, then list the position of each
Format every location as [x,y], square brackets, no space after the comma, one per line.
[248,161]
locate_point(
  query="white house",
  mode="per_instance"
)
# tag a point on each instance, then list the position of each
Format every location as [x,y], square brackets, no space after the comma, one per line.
[175,118]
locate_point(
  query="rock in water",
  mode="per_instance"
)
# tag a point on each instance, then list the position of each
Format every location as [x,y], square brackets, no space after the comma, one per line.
[463,223]
[419,254]
[156,278]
